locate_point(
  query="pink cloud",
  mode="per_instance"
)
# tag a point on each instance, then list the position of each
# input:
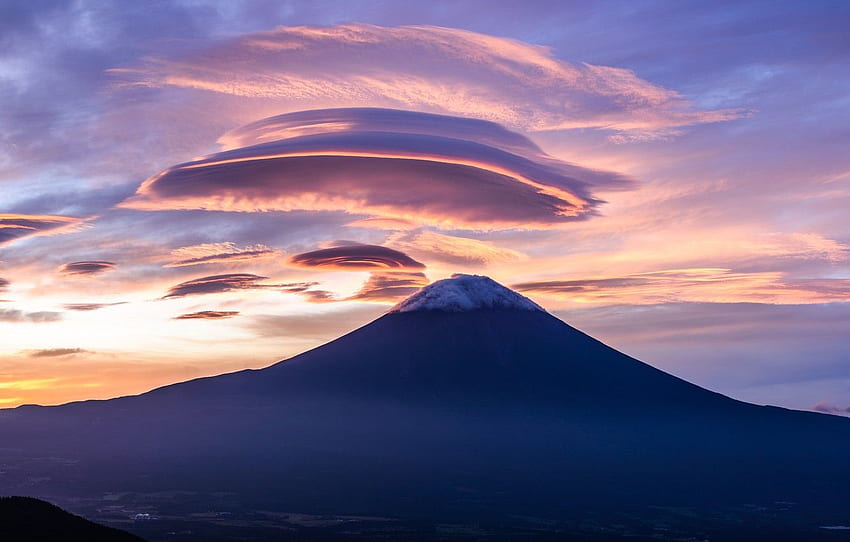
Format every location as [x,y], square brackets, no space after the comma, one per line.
[19,226]
[455,71]
[356,257]
[420,172]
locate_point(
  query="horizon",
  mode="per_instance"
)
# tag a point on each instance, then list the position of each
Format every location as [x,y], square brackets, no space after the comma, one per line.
[212,187]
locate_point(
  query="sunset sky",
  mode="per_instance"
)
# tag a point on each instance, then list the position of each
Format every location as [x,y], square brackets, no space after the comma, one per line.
[196,187]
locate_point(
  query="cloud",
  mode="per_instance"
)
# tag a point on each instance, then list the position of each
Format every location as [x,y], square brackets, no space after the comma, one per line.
[87,267]
[455,71]
[448,172]
[84,307]
[451,249]
[694,284]
[314,327]
[390,286]
[207,315]
[56,352]
[356,257]
[215,284]
[19,316]
[4,285]
[829,408]
[383,224]
[18,226]
[219,253]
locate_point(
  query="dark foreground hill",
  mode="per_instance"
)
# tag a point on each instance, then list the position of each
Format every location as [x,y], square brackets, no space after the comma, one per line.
[468,413]
[24,519]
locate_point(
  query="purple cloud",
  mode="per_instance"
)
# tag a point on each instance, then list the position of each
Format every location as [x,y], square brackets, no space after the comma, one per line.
[219,253]
[356,257]
[56,352]
[393,286]
[207,315]
[19,226]
[84,307]
[216,284]
[87,267]
[438,170]
[19,316]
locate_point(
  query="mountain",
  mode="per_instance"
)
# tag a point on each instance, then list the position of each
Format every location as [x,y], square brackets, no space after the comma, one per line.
[465,404]
[24,519]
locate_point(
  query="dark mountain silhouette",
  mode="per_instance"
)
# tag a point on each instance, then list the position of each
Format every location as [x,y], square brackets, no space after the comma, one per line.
[24,519]
[465,403]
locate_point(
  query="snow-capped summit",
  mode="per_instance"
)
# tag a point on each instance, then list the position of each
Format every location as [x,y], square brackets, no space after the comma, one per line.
[465,293]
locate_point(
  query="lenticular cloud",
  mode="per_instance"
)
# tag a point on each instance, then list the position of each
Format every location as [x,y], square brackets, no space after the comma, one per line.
[438,69]
[436,170]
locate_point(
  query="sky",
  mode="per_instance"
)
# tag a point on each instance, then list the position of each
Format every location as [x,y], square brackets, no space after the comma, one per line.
[195,187]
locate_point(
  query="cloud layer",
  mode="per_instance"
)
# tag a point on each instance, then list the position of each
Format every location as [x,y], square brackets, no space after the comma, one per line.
[455,71]
[430,169]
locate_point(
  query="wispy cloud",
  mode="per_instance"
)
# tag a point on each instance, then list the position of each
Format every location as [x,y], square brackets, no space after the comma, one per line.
[215,284]
[56,352]
[211,253]
[85,307]
[456,71]
[207,315]
[38,317]
[387,287]
[19,226]
[433,246]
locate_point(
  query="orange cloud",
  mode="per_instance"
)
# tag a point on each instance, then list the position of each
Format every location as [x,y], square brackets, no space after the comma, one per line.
[451,249]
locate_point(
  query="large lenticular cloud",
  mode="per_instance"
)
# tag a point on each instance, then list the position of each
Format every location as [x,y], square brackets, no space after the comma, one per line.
[447,172]
[445,70]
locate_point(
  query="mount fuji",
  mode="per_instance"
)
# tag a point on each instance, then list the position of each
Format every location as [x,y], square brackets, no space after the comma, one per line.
[466,403]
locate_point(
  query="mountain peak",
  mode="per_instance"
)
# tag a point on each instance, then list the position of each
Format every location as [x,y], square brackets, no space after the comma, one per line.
[462,293]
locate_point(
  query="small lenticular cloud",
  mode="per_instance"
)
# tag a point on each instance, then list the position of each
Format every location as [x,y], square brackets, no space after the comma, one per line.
[216,284]
[87,268]
[356,258]
[207,315]
[219,253]
[18,226]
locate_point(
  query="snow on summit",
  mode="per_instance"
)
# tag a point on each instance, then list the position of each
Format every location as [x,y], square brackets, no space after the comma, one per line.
[465,293]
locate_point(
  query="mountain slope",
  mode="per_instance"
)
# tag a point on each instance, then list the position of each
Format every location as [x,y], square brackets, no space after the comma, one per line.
[471,404]
[24,519]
